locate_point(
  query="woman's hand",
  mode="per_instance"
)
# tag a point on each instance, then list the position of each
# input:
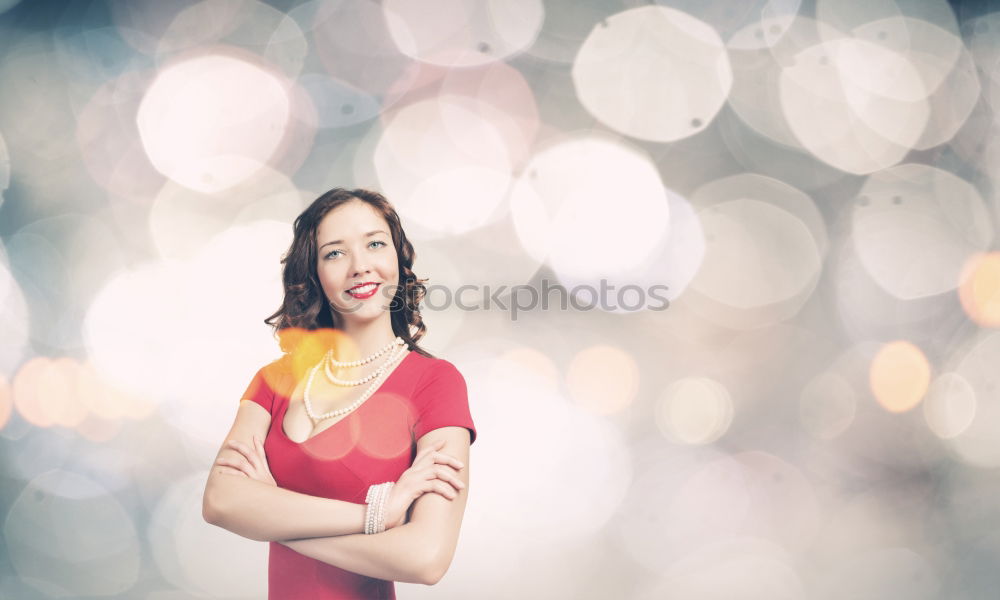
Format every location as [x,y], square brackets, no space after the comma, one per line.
[431,471]
[251,463]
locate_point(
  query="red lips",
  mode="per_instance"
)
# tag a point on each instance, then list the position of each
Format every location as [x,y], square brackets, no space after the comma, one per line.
[367,294]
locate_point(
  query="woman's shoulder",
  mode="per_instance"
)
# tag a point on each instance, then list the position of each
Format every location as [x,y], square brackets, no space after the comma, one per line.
[282,363]
[430,369]
[278,373]
[432,364]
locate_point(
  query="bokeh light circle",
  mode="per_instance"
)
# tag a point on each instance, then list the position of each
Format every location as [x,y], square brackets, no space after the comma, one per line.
[653,73]
[201,129]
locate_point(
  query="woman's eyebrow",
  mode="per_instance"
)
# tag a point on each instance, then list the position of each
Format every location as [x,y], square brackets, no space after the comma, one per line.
[369,234]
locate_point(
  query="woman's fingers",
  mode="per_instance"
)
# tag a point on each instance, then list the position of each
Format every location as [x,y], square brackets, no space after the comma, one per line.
[436,472]
[431,455]
[444,475]
[240,466]
[444,489]
[237,446]
[232,471]
[447,475]
[447,459]
[250,455]
[426,451]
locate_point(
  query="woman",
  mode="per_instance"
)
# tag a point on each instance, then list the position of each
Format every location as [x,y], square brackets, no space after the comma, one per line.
[350,453]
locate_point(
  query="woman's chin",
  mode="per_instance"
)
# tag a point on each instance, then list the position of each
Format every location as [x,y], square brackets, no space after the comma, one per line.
[364,315]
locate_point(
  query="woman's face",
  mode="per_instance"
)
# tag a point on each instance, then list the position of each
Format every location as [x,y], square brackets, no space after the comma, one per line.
[354,246]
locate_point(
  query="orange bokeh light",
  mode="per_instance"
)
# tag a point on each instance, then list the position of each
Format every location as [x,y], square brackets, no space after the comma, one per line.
[26,390]
[6,401]
[979,289]
[603,379]
[47,392]
[899,376]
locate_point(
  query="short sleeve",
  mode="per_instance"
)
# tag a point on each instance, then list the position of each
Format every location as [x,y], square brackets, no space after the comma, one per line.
[260,391]
[441,399]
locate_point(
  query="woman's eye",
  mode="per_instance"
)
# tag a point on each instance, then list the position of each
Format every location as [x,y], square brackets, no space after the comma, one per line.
[331,253]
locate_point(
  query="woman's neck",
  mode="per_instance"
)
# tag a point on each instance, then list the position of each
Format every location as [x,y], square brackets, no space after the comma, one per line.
[365,340]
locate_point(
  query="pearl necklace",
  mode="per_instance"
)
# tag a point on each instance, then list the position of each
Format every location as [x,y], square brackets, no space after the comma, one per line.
[349,383]
[364,361]
[393,358]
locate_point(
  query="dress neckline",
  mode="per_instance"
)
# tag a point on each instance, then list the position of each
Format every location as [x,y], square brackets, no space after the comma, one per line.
[281,423]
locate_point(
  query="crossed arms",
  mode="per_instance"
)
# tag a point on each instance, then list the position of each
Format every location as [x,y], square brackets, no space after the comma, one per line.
[331,531]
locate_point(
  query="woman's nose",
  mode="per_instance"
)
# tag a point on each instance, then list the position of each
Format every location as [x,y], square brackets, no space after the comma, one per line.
[360,267]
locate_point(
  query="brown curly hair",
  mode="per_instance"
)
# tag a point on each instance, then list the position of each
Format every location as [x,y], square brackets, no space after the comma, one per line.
[305,305]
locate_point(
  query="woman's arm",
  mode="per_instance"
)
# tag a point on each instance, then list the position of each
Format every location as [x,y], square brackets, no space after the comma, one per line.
[268,513]
[264,512]
[399,554]
[419,551]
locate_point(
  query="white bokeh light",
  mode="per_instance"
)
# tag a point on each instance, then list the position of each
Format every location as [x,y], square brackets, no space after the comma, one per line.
[648,284]
[450,177]
[755,97]
[590,206]
[748,24]
[914,226]
[190,318]
[645,532]
[978,442]
[764,246]
[202,129]
[61,521]
[249,24]
[950,405]
[462,33]
[847,15]
[943,64]
[582,455]
[503,95]
[853,104]
[683,501]
[183,221]
[200,558]
[827,405]
[653,73]
[603,379]
[694,410]
[572,449]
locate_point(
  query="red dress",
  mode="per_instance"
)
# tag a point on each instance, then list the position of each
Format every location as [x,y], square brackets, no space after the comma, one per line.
[374,443]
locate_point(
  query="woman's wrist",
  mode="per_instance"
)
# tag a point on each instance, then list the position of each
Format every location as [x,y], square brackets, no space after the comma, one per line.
[377,501]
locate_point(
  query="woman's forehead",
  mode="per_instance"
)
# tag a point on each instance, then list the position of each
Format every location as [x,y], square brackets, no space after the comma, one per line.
[351,220]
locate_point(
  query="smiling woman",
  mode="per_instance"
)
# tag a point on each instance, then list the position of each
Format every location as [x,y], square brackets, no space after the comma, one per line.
[350,453]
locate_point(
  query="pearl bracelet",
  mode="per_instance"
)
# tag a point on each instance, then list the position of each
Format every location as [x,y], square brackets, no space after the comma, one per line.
[378,495]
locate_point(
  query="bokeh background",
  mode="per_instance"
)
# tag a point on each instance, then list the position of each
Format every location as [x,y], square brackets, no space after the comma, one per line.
[813,414]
